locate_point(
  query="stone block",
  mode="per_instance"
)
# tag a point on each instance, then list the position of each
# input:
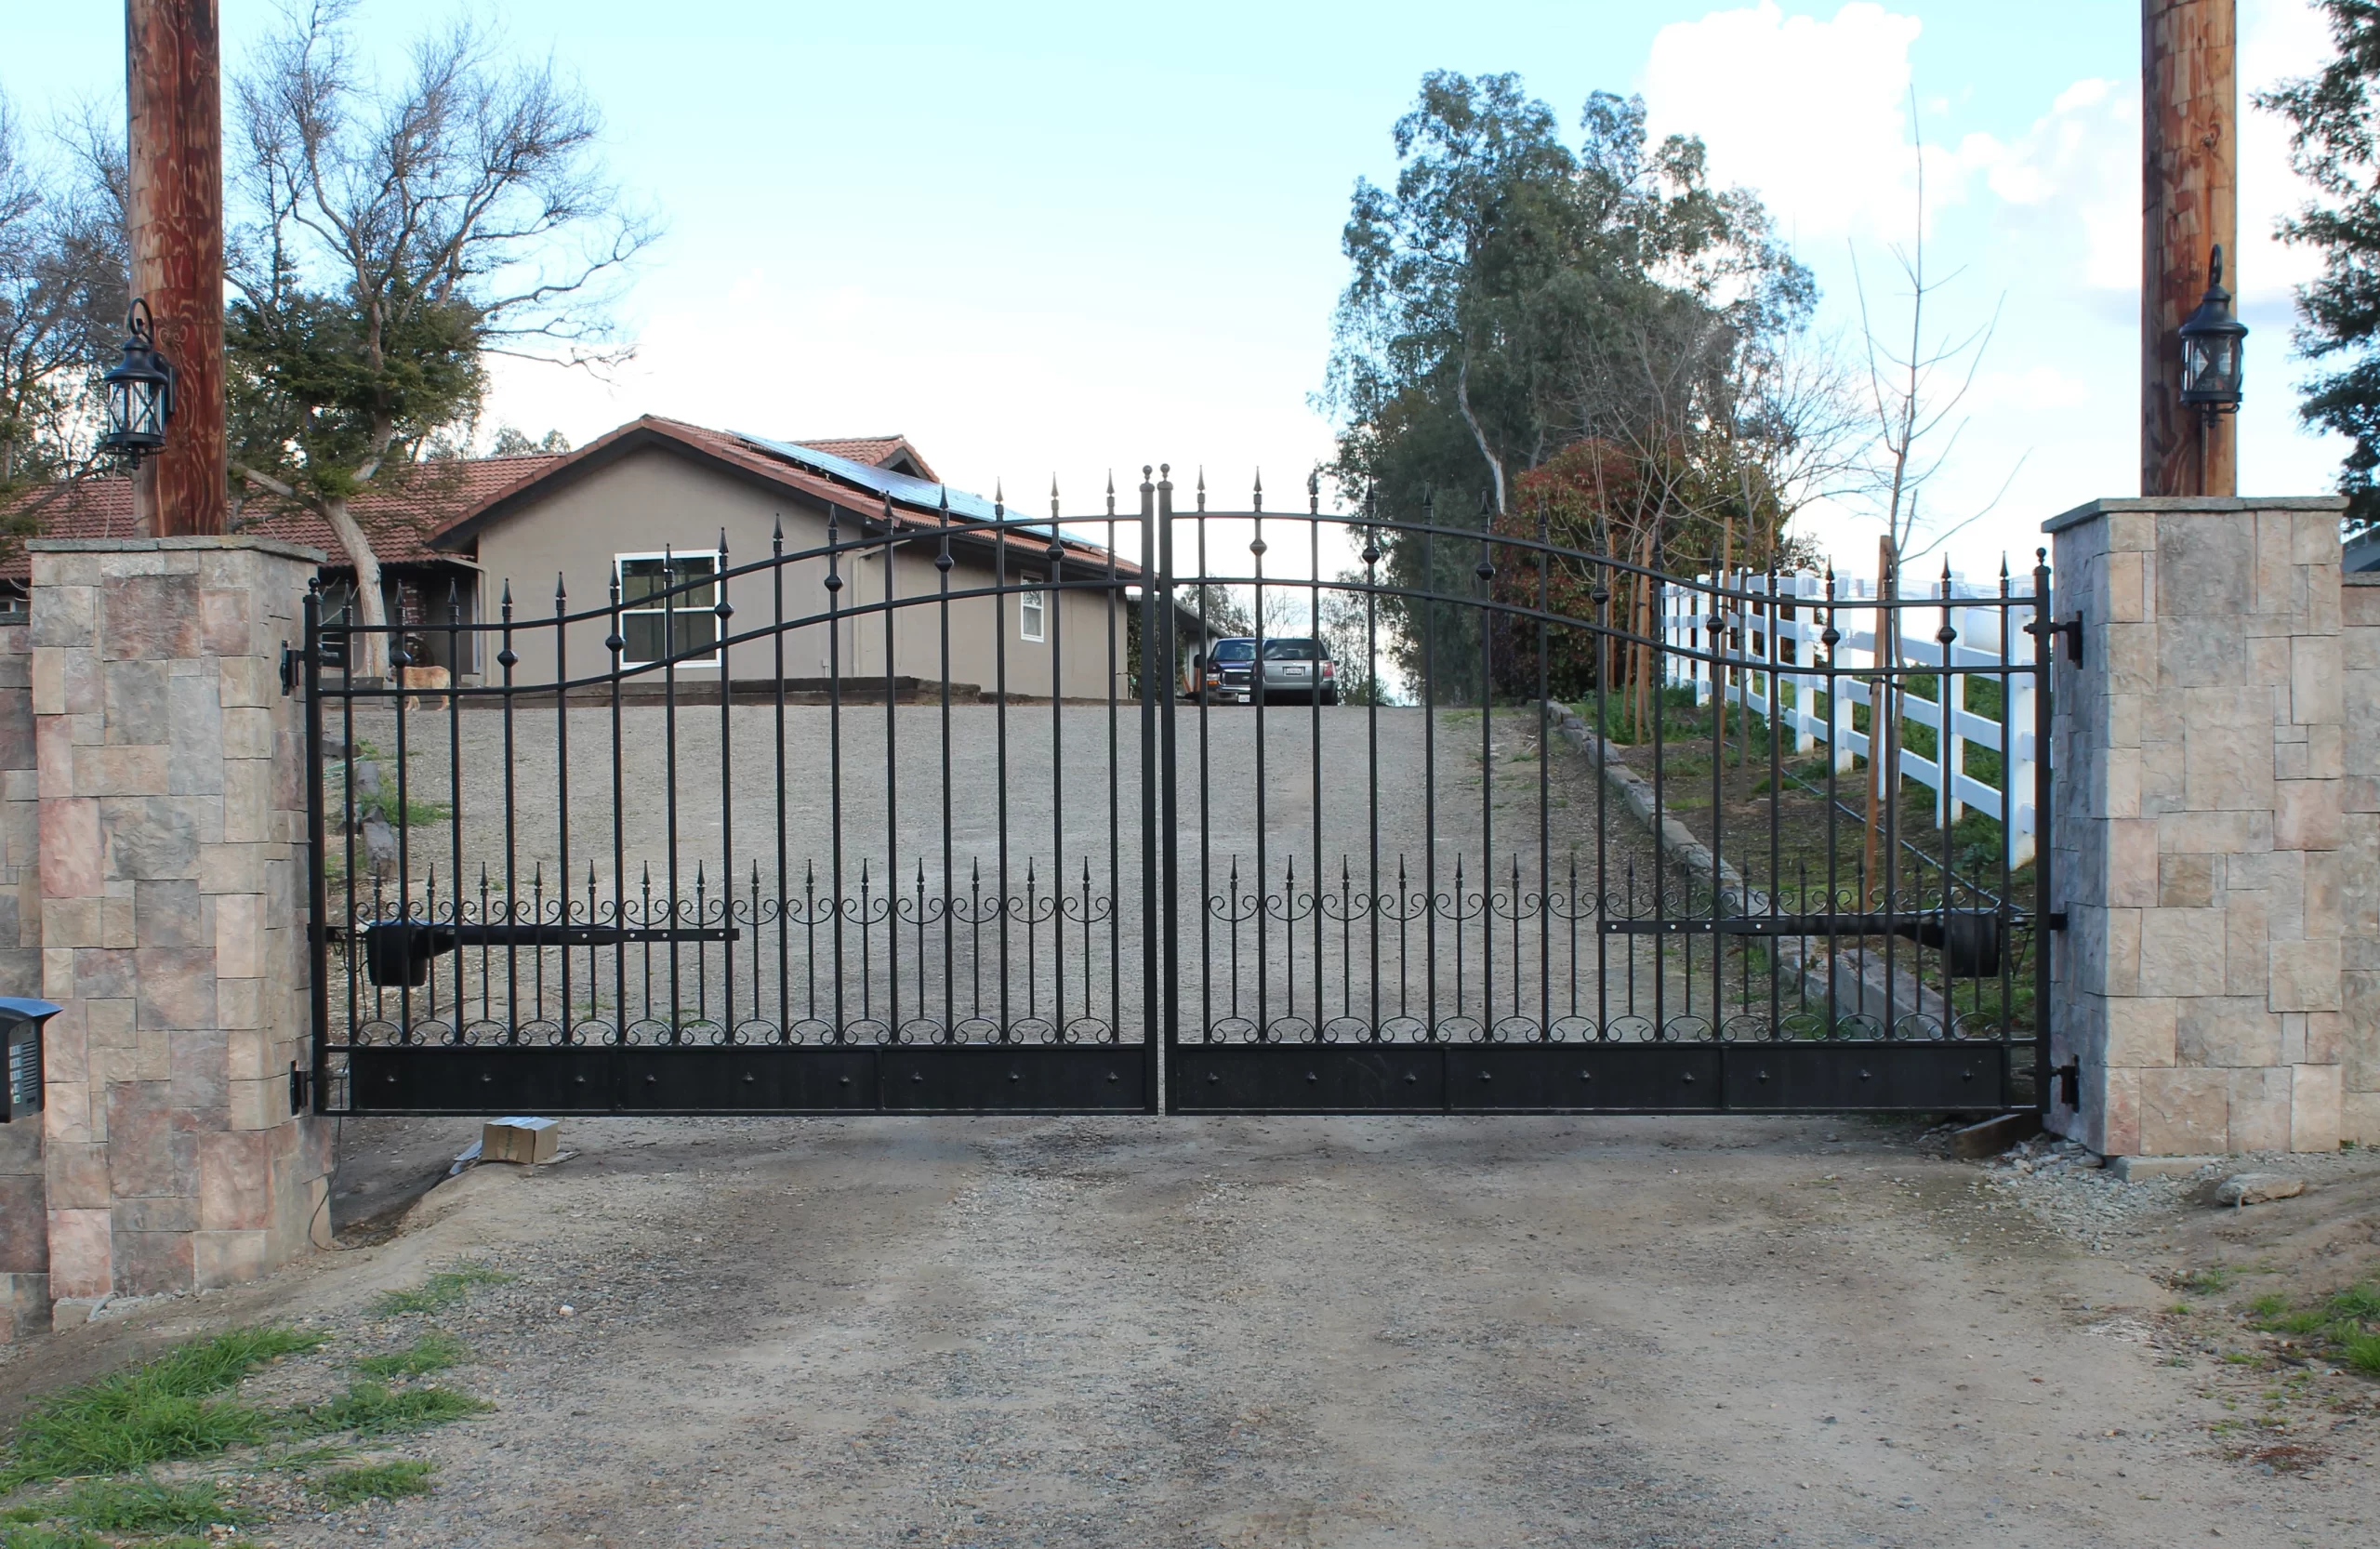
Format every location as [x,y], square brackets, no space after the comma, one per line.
[73,921]
[2226,753]
[230,1258]
[2186,882]
[24,1228]
[2326,752]
[177,987]
[195,741]
[2307,815]
[2133,871]
[2246,942]
[247,733]
[2259,1117]
[2315,1108]
[2314,691]
[2326,1036]
[120,770]
[2141,1030]
[224,624]
[158,836]
[63,616]
[144,1155]
[100,974]
[246,680]
[236,1180]
[2359,1118]
[153,1263]
[260,1105]
[133,698]
[2186,656]
[167,912]
[82,1252]
[117,922]
[2185,1112]
[71,856]
[2225,1031]
[2205,565]
[2181,952]
[240,1004]
[230,869]
[2305,975]
[150,617]
[201,1074]
[2219,833]
[172,1212]
[247,802]
[77,1174]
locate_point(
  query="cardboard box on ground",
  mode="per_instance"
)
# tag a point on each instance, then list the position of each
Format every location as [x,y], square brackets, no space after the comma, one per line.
[520,1140]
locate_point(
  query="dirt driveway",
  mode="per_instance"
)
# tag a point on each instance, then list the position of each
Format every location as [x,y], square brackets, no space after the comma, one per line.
[1227,1333]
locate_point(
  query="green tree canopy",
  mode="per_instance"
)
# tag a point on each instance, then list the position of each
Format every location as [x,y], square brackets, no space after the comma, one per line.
[1512,297]
[2333,146]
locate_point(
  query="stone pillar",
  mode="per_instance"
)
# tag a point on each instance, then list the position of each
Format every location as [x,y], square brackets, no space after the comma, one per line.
[2200,769]
[172,838]
[2360,936]
[24,1234]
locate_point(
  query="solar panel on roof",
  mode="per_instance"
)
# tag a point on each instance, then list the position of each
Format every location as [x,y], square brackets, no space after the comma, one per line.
[900,486]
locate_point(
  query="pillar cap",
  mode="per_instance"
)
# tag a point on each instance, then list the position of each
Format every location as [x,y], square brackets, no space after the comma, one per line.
[2223,503]
[155,545]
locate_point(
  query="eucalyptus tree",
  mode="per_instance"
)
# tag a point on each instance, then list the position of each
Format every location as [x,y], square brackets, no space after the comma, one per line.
[1511,295]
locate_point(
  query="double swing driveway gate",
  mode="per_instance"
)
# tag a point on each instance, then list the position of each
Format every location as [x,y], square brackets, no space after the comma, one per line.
[938,807]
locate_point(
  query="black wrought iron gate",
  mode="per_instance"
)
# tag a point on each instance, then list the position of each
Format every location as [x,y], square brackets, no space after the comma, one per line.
[940,807]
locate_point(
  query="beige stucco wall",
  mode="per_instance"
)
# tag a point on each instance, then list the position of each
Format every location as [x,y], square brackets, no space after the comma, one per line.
[654,499]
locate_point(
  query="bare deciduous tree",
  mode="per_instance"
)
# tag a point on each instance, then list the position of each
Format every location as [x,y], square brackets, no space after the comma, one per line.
[63,268]
[389,239]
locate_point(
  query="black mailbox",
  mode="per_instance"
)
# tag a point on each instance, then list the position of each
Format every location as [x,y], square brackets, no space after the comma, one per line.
[20,1025]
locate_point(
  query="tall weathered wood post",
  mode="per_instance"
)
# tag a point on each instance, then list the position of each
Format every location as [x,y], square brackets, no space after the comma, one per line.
[173,84]
[2189,112]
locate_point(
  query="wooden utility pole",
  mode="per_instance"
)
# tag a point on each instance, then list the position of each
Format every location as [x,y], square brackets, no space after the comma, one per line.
[173,81]
[2189,92]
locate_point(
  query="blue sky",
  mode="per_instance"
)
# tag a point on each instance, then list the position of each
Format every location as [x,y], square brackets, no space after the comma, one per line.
[1057,238]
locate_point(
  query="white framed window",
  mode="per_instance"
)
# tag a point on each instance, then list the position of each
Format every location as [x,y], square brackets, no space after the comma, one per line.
[658,624]
[1031,621]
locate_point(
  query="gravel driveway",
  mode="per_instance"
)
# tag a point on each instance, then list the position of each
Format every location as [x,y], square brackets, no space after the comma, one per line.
[1061,788]
[1214,1333]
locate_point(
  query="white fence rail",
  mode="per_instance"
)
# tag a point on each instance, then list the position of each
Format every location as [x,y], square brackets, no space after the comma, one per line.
[1766,639]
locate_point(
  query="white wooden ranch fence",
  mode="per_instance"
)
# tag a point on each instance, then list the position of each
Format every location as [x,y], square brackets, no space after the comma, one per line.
[1764,639]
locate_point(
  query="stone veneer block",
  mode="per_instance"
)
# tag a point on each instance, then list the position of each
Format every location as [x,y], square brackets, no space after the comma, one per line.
[2214,845]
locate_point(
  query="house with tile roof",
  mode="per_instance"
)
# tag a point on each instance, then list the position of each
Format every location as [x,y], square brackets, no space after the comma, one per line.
[672,513]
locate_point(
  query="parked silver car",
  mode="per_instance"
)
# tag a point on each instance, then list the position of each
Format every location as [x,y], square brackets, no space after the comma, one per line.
[1295,666]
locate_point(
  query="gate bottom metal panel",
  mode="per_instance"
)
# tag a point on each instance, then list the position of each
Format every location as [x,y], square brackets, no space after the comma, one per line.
[1012,1078]
[761,1078]
[1587,1077]
[1817,1077]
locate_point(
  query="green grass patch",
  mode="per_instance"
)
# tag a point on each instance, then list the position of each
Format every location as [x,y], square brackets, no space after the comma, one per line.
[141,1504]
[163,1409]
[53,1538]
[442,1289]
[2210,1281]
[374,1410]
[2362,1352]
[432,1352]
[382,1481]
[2361,1303]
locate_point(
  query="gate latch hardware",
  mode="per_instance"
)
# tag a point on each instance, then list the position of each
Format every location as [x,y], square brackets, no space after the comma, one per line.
[2070,628]
[2069,1083]
[298,1084]
[291,657]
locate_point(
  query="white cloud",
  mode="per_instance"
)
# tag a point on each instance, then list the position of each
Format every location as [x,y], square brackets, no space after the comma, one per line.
[1814,115]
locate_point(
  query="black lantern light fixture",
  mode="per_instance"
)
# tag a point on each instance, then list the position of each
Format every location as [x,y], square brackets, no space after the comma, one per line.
[140,391]
[2210,353]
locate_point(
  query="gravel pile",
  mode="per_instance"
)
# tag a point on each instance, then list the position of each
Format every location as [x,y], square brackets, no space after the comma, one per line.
[2069,1188]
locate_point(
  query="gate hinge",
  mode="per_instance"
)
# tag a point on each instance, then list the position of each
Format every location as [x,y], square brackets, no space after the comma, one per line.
[2071,628]
[298,1085]
[291,659]
[2055,920]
